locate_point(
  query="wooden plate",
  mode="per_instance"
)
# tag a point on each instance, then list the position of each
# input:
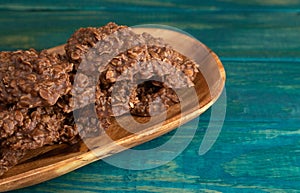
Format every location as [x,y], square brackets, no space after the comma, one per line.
[53,161]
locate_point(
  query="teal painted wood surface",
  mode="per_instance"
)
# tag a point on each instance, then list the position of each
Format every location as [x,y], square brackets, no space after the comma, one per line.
[258,149]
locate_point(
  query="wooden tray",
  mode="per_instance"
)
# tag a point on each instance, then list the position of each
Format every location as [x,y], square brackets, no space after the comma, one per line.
[54,161]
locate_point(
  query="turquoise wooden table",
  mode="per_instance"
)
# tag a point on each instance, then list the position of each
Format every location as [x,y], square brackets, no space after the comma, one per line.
[258,149]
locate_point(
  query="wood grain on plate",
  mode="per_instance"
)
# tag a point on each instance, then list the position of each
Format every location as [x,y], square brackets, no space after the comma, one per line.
[60,159]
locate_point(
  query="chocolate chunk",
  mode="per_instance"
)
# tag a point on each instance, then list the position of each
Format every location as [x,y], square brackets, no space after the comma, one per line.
[10,119]
[151,99]
[96,47]
[85,38]
[9,158]
[147,61]
[110,56]
[40,126]
[31,79]
[32,129]
[88,123]
[160,66]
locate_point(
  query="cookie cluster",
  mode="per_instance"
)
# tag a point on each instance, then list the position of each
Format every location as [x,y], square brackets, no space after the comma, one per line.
[107,71]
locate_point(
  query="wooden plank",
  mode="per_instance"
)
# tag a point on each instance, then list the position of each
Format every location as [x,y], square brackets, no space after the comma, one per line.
[257,34]
[189,5]
[273,85]
[259,43]
[246,157]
